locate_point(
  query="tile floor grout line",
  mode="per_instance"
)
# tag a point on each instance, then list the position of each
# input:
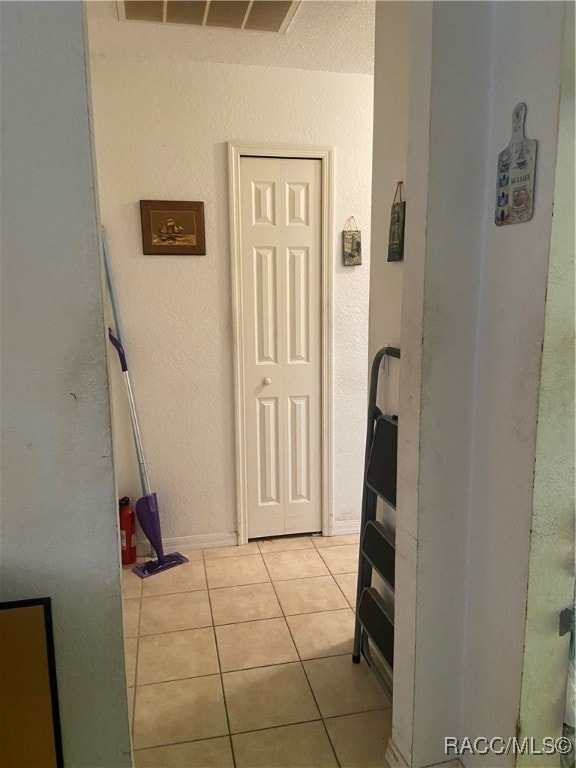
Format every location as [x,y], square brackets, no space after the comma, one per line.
[326,564]
[331,546]
[306,676]
[271,618]
[304,614]
[171,631]
[231,743]
[345,598]
[291,549]
[302,722]
[275,727]
[248,584]
[353,714]
[224,586]
[330,742]
[167,594]
[188,741]
[302,661]
[249,669]
[179,679]
[228,672]
[259,730]
[312,692]
[299,578]
[237,733]
[380,709]
[268,666]
[136,664]
[256,583]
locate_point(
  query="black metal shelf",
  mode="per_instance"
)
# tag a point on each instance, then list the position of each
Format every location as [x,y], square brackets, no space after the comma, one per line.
[382,461]
[378,548]
[374,625]
[374,618]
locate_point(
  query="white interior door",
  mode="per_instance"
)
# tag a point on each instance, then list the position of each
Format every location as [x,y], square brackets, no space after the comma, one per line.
[280,220]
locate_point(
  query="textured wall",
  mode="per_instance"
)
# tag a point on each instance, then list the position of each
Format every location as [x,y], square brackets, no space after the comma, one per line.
[327,36]
[507,374]
[161,132]
[59,513]
[390,143]
[391,97]
[473,319]
[551,571]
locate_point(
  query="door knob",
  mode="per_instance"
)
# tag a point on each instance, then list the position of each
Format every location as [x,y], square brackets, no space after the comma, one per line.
[267,380]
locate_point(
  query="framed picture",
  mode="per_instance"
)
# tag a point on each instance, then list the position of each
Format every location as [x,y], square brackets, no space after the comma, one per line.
[170,227]
[28,687]
[351,248]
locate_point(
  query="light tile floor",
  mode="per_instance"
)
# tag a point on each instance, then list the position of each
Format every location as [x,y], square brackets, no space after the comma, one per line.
[242,659]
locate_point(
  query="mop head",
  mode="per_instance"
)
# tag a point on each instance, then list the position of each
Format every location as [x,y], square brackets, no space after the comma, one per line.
[152,567]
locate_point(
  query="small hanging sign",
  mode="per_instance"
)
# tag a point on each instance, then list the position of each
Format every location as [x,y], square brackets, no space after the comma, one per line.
[397,216]
[351,244]
[516,172]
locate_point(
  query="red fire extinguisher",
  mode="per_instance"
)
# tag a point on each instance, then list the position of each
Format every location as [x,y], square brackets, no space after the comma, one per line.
[127,532]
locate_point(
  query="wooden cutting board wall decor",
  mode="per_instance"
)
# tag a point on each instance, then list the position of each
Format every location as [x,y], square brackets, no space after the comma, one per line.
[516,172]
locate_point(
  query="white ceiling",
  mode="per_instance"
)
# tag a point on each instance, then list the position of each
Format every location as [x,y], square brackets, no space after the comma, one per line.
[328,36]
[264,15]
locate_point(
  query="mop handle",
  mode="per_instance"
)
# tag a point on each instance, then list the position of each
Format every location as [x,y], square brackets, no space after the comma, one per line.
[144,481]
[111,291]
[117,344]
[116,341]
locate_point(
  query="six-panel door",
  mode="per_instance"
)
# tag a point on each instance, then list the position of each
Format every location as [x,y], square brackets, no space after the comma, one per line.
[280,212]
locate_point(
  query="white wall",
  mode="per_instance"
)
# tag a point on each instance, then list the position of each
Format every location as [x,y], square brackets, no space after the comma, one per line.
[507,375]
[472,330]
[59,512]
[390,143]
[551,569]
[161,131]
[457,176]
[389,157]
[410,381]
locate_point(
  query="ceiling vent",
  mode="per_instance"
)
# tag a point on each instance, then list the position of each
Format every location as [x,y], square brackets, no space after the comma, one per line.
[259,15]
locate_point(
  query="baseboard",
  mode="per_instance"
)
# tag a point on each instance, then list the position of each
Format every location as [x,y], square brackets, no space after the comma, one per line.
[396,760]
[200,541]
[394,757]
[208,540]
[342,527]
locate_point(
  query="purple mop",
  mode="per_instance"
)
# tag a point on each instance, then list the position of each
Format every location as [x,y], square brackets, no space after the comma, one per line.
[147,506]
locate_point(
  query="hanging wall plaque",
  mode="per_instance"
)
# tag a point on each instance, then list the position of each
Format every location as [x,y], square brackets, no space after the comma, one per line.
[351,244]
[516,171]
[397,215]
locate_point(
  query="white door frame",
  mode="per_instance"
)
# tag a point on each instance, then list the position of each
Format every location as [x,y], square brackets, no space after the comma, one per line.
[236,150]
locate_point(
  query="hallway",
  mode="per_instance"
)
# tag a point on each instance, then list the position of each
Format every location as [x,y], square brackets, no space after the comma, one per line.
[242,657]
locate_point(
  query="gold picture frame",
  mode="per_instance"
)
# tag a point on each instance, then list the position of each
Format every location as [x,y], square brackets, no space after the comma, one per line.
[171,227]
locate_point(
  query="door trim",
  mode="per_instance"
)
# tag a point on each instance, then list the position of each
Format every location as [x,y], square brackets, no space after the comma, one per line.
[325,154]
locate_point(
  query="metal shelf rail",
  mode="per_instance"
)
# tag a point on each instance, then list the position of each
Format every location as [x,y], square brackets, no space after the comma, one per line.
[374,625]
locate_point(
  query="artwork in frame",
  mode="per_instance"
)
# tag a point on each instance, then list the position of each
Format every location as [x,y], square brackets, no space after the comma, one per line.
[170,227]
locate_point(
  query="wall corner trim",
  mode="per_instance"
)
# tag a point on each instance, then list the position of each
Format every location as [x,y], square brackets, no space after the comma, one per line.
[394,757]
[396,760]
